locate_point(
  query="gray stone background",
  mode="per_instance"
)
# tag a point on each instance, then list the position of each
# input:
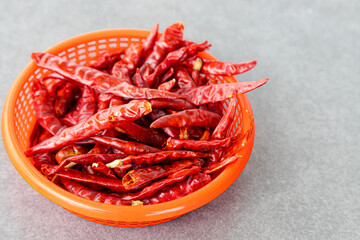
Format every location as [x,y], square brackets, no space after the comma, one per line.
[302,179]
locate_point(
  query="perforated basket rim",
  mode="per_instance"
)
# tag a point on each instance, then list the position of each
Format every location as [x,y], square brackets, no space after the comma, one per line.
[105,211]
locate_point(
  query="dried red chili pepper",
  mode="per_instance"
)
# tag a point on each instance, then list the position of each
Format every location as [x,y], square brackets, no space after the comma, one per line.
[170,131]
[84,109]
[173,104]
[101,167]
[149,42]
[102,120]
[167,86]
[166,76]
[141,177]
[78,73]
[170,40]
[81,191]
[214,67]
[195,145]
[143,134]
[184,80]
[174,58]
[178,190]
[52,85]
[41,158]
[113,184]
[132,57]
[125,146]
[139,81]
[219,165]
[222,130]
[106,59]
[218,92]
[187,118]
[63,99]
[121,171]
[156,186]
[158,157]
[120,71]
[69,151]
[101,148]
[44,110]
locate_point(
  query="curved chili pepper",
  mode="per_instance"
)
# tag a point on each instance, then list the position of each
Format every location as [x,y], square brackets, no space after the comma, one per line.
[101,148]
[101,167]
[125,146]
[142,134]
[142,177]
[174,58]
[78,73]
[132,57]
[84,109]
[219,165]
[69,151]
[156,186]
[184,80]
[170,40]
[167,86]
[214,67]
[139,81]
[158,157]
[149,42]
[218,92]
[187,118]
[222,130]
[173,104]
[63,99]
[44,110]
[170,131]
[102,120]
[106,60]
[81,191]
[178,190]
[113,184]
[195,145]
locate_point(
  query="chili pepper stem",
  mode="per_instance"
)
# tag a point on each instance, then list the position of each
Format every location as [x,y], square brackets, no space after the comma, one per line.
[115,163]
[70,165]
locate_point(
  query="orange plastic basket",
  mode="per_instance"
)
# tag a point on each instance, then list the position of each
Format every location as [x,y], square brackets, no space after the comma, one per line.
[18,120]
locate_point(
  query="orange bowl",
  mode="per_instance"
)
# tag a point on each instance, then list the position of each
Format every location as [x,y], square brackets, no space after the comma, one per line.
[18,120]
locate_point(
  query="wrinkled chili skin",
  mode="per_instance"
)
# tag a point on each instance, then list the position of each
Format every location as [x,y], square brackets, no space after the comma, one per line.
[139,81]
[101,167]
[106,60]
[121,171]
[195,145]
[45,113]
[143,176]
[132,56]
[170,131]
[163,156]
[127,147]
[120,71]
[214,67]
[170,40]
[218,92]
[100,121]
[85,108]
[101,148]
[71,174]
[81,191]
[188,118]
[184,79]
[174,58]
[149,43]
[142,134]
[42,158]
[63,99]
[78,73]
[178,190]
[156,186]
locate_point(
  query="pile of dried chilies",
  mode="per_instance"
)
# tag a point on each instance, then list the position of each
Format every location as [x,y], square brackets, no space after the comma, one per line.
[142,125]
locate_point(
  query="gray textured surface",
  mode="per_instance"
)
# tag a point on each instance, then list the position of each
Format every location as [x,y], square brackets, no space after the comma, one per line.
[302,180]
